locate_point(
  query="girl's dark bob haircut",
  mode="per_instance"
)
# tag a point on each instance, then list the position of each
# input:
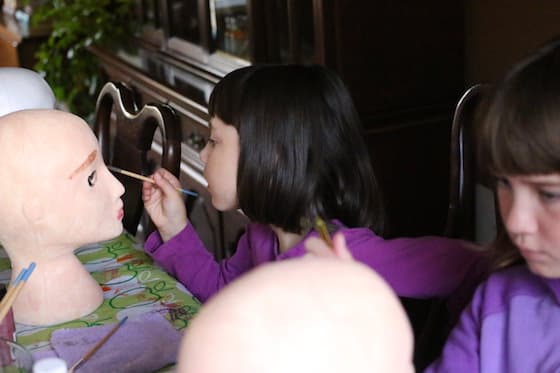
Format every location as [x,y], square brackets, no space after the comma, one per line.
[302,152]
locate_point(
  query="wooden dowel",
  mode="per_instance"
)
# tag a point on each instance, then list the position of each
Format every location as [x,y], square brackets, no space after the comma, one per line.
[149,180]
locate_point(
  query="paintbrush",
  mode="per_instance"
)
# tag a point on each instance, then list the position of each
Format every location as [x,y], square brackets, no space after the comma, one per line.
[97,346]
[14,290]
[149,180]
[321,227]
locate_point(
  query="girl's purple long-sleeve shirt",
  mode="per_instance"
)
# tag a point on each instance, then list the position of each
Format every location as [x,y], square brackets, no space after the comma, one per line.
[511,326]
[414,267]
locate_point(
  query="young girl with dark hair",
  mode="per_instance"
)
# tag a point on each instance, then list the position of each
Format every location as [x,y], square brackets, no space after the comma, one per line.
[286,146]
[512,323]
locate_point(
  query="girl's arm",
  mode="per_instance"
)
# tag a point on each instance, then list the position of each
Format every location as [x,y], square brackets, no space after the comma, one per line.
[426,267]
[185,257]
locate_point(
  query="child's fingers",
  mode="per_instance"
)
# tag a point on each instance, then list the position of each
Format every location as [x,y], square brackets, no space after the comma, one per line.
[317,247]
[169,177]
[340,248]
[148,190]
[147,187]
[164,183]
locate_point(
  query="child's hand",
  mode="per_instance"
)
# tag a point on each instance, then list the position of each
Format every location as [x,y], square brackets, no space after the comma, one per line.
[318,248]
[165,204]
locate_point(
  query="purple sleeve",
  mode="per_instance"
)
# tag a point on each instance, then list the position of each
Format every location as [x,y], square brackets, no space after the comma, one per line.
[426,267]
[185,258]
[461,351]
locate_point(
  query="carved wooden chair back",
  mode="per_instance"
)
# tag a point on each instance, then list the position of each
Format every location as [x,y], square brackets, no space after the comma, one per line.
[125,133]
[465,179]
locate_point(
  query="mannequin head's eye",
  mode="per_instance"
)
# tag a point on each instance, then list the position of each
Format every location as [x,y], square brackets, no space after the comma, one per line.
[92,178]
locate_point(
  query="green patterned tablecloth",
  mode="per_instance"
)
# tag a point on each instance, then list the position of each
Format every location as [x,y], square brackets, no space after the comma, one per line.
[132,284]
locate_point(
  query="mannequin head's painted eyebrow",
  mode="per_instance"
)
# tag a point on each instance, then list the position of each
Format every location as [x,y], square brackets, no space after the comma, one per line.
[89,160]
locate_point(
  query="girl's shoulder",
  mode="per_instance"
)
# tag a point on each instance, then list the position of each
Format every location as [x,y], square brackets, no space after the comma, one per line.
[501,288]
[513,279]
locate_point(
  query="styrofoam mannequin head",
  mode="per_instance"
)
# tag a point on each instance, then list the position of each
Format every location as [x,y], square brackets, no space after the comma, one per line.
[23,89]
[55,185]
[303,315]
[57,195]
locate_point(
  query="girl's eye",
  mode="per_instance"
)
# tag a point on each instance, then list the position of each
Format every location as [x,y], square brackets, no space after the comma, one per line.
[92,178]
[502,182]
[211,141]
[549,195]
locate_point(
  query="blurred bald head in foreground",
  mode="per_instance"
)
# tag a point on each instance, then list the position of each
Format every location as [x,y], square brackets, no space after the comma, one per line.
[304,315]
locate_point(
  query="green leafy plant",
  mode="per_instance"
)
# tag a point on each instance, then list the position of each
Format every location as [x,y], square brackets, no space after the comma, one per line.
[70,69]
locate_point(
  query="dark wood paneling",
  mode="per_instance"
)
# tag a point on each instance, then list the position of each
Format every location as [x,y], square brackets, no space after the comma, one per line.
[394,55]
[411,163]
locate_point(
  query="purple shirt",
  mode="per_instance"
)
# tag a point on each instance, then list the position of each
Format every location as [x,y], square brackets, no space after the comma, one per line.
[512,325]
[415,267]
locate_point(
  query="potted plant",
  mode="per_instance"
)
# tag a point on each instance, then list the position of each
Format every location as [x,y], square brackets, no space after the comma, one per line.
[70,69]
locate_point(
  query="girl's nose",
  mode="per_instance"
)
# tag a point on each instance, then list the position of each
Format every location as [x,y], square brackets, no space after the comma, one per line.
[204,154]
[519,216]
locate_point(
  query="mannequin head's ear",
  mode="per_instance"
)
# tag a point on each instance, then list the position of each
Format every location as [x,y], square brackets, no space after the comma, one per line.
[32,209]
